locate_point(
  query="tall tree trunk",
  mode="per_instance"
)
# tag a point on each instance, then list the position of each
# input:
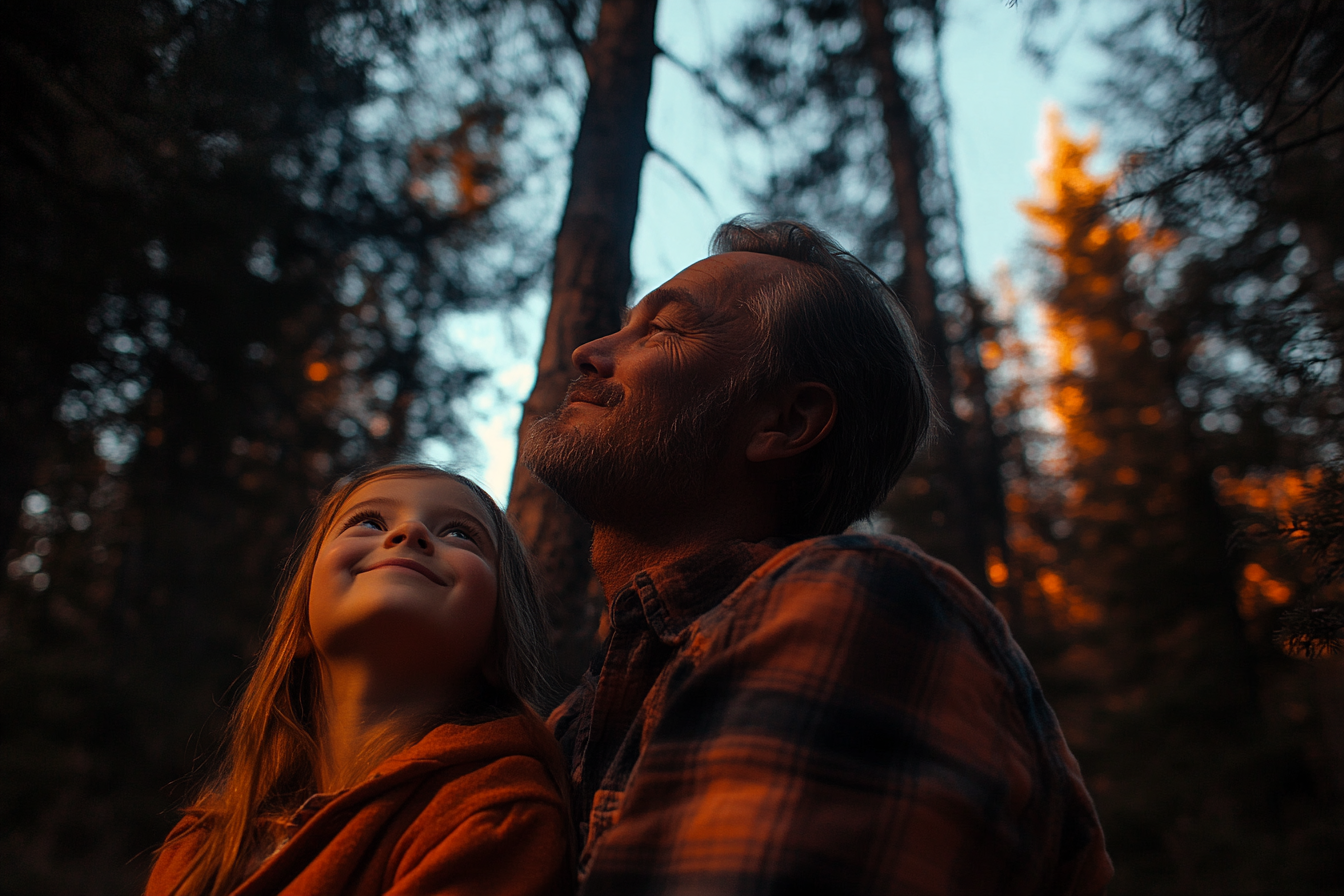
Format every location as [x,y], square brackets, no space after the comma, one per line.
[904,153]
[589,291]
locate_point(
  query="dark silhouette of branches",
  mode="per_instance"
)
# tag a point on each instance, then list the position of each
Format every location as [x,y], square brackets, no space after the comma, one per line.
[1256,83]
[1314,534]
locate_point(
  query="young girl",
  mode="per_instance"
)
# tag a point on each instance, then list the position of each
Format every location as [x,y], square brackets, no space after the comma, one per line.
[385,743]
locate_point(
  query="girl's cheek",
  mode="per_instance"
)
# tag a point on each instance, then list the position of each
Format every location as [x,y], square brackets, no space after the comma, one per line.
[478,604]
[337,558]
[328,582]
[482,586]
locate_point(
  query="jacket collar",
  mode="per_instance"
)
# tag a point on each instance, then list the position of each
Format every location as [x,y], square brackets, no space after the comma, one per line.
[675,595]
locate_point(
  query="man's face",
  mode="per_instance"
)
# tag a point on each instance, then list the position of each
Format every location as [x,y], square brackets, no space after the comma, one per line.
[649,418]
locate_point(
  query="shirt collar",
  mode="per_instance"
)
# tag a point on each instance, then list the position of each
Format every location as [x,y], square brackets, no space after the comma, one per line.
[676,594]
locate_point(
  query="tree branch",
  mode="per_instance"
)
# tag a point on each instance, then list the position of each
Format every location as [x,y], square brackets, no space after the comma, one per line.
[568,12]
[1289,60]
[690,178]
[1307,106]
[1319,135]
[708,86]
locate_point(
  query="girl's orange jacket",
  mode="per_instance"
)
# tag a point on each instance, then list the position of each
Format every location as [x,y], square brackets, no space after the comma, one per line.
[470,809]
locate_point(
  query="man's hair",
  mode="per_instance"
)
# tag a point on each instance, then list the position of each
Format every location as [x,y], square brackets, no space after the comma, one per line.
[832,320]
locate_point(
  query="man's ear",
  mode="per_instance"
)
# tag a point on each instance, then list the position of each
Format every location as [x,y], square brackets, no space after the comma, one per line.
[797,418]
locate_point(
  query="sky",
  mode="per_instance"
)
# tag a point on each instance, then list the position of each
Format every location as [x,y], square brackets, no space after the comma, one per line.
[996,97]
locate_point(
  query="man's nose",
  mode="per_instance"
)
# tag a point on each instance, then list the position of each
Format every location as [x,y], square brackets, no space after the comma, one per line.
[411,533]
[596,358]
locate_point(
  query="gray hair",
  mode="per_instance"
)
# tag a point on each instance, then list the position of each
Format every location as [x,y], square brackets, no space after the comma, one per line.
[832,320]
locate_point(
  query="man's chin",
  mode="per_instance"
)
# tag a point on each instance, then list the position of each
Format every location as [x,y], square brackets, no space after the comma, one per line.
[603,461]
[560,457]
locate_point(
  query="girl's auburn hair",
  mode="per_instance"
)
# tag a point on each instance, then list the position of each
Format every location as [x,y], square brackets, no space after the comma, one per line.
[271,758]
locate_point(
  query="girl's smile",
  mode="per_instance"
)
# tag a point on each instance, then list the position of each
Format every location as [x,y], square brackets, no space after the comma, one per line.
[403,563]
[405,581]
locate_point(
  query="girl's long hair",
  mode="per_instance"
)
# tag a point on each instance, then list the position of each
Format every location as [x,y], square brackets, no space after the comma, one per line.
[272,758]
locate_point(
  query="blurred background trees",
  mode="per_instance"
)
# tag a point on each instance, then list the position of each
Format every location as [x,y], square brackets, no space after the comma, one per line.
[853,93]
[1121,550]
[230,231]
[1173,528]
[235,236]
[1242,152]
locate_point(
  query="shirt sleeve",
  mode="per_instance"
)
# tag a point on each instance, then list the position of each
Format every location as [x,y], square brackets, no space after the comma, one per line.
[866,726]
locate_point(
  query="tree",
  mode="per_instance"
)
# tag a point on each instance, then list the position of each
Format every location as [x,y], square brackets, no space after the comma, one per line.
[220,271]
[1121,545]
[1237,112]
[590,288]
[1243,150]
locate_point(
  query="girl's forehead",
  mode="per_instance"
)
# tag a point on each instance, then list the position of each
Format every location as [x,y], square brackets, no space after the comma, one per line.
[421,493]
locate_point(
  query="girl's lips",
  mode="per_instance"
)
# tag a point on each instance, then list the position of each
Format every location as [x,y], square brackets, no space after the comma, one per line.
[407,563]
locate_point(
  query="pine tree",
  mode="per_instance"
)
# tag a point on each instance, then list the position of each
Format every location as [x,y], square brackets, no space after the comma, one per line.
[589,291]
[1241,146]
[1122,548]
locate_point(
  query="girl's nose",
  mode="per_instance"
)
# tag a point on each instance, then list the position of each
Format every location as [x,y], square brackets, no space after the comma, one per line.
[411,533]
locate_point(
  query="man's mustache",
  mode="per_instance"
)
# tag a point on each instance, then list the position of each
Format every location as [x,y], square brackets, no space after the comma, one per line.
[596,391]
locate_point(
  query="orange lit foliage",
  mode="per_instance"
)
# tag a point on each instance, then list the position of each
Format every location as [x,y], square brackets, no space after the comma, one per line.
[1119,546]
[1110,490]
[1272,576]
[457,173]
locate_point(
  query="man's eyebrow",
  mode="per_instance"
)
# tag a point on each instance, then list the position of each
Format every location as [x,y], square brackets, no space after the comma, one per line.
[662,297]
[668,295]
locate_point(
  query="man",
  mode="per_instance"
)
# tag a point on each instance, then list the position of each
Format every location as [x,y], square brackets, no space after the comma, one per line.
[781,708]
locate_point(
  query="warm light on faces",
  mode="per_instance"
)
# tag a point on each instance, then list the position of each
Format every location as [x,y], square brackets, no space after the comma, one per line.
[406,581]
[690,333]
[677,347]
[653,414]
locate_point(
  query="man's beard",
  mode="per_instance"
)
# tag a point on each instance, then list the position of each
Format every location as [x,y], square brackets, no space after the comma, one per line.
[638,455]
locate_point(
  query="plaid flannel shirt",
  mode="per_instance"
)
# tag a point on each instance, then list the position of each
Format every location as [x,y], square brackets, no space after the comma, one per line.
[844,715]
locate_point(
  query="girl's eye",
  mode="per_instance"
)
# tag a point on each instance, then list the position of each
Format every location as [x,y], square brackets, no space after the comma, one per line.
[368,519]
[459,532]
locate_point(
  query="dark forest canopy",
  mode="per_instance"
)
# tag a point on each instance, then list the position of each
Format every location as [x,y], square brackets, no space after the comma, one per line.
[1232,115]
[1196,480]
[228,231]
[1246,140]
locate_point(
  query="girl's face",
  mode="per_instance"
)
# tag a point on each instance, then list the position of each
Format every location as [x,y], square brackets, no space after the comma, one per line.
[405,581]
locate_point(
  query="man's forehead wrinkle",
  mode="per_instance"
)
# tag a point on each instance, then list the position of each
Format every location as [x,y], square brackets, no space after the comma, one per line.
[668,295]
[722,286]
